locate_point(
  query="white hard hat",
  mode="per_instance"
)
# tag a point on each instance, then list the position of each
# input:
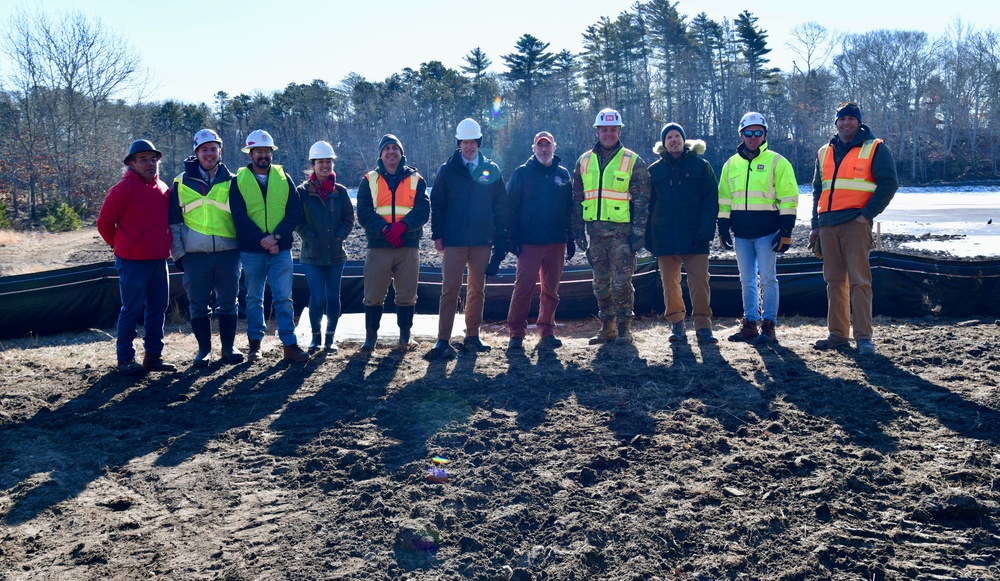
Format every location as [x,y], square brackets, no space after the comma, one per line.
[259,138]
[609,118]
[321,150]
[752,118]
[468,129]
[206,136]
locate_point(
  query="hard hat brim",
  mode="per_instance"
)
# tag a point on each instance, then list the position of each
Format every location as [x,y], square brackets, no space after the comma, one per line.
[247,149]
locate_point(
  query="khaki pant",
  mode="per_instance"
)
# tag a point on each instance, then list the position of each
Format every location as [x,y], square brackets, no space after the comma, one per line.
[456,258]
[401,266]
[848,277]
[696,266]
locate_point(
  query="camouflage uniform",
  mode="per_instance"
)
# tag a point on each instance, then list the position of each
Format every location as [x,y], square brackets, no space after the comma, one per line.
[610,251]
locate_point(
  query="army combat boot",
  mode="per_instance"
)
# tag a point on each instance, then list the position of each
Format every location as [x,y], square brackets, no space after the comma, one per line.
[624,332]
[609,332]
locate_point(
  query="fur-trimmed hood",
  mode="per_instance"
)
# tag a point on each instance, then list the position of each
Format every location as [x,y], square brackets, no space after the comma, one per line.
[696,145]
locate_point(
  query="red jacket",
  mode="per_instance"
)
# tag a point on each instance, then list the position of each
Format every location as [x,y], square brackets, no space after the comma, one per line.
[133,218]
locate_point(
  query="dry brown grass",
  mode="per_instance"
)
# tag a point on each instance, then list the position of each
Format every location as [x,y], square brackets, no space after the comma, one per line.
[8,237]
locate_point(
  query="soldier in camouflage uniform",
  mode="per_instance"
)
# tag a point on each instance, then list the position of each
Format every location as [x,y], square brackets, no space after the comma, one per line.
[611,196]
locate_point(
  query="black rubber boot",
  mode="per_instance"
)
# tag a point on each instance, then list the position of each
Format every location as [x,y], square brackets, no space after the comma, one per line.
[373,318]
[315,344]
[227,335]
[404,318]
[202,329]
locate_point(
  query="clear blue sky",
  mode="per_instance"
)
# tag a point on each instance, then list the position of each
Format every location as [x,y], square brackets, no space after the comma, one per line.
[257,45]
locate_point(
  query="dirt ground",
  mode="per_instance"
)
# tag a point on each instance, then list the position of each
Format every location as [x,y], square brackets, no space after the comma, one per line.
[650,461]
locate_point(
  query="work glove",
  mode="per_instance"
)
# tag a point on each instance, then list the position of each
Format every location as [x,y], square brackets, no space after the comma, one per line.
[499,253]
[783,239]
[179,264]
[570,249]
[393,234]
[725,238]
[636,241]
[781,242]
[515,247]
[814,245]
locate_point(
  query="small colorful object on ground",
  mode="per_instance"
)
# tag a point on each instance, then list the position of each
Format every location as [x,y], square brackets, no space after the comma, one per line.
[437,475]
[439,460]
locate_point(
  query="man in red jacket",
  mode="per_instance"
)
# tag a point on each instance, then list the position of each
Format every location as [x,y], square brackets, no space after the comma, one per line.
[133,221]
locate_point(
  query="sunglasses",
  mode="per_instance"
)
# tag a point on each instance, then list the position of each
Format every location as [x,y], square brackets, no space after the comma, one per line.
[753,133]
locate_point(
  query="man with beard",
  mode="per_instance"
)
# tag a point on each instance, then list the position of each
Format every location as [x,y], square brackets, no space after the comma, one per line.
[541,199]
[854,181]
[610,197]
[392,208]
[266,211]
[204,246]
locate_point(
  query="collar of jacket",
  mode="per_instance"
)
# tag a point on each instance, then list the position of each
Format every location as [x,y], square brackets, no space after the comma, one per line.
[192,169]
[745,153]
[599,150]
[460,161]
[402,170]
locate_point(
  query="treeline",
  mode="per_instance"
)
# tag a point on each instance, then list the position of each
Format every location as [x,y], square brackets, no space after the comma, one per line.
[64,121]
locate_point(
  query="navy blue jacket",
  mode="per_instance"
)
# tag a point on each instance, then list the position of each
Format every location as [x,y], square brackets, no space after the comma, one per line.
[541,199]
[683,205]
[469,209]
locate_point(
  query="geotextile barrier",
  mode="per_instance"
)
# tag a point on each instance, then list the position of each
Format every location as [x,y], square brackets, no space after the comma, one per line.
[83,297]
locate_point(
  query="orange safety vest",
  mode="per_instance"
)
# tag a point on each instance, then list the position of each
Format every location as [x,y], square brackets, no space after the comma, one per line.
[851,184]
[393,206]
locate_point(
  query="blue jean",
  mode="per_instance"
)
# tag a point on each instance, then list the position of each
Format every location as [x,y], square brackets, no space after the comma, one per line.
[205,272]
[756,257]
[276,270]
[145,292]
[324,290]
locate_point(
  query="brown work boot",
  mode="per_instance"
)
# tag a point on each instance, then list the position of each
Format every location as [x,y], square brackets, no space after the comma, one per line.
[832,342]
[254,351]
[624,333]
[767,332]
[609,332]
[295,353]
[748,332]
[156,363]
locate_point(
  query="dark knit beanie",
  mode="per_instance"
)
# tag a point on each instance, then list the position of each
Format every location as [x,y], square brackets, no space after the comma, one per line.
[670,126]
[849,109]
[386,140]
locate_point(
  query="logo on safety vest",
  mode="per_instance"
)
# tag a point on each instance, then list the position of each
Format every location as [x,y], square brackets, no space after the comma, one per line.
[760,167]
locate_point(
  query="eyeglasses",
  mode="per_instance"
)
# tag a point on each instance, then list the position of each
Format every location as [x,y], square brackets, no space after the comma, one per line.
[753,133]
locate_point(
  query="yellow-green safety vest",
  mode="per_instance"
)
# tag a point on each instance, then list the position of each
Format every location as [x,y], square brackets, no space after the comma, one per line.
[207,214]
[605,194]
[742,189]
[266,217]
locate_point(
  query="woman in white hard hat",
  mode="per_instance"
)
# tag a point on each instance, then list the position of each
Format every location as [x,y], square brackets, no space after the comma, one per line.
[327,220]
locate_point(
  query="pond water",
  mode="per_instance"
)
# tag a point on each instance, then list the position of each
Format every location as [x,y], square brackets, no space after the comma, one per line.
[966,211]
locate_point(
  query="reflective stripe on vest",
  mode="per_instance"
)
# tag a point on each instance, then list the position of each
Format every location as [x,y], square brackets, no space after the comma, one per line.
[605,194]
[754,190]
[207,214]
[850,184]
[266,215]
[392,207]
